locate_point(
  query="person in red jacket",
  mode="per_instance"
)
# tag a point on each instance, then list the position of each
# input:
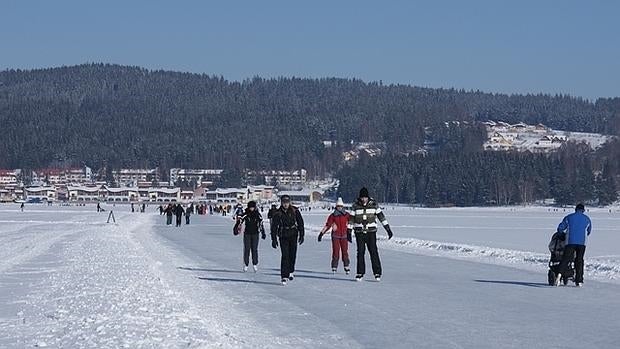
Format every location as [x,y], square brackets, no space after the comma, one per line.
[337,222]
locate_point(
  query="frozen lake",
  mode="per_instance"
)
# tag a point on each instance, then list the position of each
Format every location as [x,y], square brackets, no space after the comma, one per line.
[453,278]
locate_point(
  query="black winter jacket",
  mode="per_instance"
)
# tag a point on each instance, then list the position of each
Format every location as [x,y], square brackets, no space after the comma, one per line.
[287,223]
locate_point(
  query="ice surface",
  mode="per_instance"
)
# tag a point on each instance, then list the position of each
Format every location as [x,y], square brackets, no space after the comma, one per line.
[453,278]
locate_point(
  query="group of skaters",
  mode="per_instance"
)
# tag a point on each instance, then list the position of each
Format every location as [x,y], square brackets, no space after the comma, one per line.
[362,221]
[178,211]
[287,232]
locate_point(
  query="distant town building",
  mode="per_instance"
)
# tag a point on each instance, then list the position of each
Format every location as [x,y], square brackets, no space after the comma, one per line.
[279,177]
[9,177]
[164,194]
[199,176]
[41,193]
[260,193]
[306,196]
[79,193]
[502,136]
[131,176]
[62,176]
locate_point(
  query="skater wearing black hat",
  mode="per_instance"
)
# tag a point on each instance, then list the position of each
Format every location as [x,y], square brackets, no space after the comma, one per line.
[362,220]
[287,227]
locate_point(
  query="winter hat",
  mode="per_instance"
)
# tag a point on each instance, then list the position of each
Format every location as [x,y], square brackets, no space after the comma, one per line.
[252,204]
[364,193]
[339,202]
[580,207]
[285,198]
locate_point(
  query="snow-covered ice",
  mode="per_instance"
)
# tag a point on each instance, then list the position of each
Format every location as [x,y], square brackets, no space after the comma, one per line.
[453,278]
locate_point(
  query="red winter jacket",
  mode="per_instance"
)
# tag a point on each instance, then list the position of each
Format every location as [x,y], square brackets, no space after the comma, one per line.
[341,219]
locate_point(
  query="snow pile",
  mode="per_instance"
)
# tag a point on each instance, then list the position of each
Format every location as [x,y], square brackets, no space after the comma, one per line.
[599,268]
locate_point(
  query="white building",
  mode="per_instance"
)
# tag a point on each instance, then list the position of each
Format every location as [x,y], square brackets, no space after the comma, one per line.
[131,176]
[164,194]
[260,193]
[5,195]
[80,193]
[306,196]
[121,194]
[226,195]
[79,175]
[9,177]
[280,177]
[198,175]
[48,176]
[41,193]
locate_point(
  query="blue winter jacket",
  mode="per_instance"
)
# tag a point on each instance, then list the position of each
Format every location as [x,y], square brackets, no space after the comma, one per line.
[577,227]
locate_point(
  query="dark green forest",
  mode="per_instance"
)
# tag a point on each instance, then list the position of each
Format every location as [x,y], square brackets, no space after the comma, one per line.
[574,174]
[117,116]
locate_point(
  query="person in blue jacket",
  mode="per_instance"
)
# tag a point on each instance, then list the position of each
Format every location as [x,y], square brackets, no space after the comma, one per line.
[577,227]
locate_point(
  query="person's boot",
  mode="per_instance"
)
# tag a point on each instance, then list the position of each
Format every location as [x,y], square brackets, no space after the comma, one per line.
[245,268]
[334,270]
[347,270]
[558,279]
[291,276]
[284,281]
[255,266]
[377,277]
[359,277]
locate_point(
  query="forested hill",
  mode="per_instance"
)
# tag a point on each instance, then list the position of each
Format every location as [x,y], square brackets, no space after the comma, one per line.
[129,116]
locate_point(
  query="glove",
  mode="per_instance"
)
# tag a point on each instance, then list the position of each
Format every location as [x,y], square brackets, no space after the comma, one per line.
[320,237]
[301,239]
[390,234]
[349,236]
[263,236]
[274,243]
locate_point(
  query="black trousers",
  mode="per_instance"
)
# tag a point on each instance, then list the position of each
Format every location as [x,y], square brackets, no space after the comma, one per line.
[367,240]
[168,220]
[186,219]
[179,218]
[288,246]
[250,245]
[578,251]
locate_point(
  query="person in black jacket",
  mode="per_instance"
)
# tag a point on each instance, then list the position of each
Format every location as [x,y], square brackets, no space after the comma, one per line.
[179,211]
[169,213]
[287,227]
[253,223]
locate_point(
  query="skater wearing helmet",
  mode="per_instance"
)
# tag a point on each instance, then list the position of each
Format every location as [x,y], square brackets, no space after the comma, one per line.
[253,223]
[338,222]
[577,227]
[364,215]
[287,227]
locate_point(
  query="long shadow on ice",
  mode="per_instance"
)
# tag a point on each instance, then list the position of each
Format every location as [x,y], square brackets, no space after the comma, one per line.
[303,276]
[306,271]
[212,270]
[240,281]
[517,283]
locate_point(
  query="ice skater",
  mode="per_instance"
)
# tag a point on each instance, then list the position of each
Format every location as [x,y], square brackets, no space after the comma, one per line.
[252,222]
[577,227]
[338,223]
[188,212]
[287,227]
[179,211]
[363,220]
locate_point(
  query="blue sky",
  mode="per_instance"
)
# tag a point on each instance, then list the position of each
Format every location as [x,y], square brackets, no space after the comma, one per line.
[496,46]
